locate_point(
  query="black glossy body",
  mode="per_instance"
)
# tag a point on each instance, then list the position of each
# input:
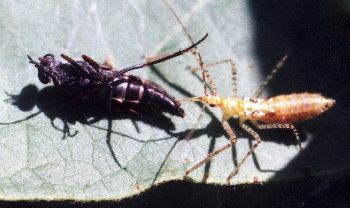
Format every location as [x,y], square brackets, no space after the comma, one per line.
[98,86]
[138,94]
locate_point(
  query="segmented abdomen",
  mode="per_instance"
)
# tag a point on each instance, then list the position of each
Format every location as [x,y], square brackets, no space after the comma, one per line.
[293,108]
[131,92]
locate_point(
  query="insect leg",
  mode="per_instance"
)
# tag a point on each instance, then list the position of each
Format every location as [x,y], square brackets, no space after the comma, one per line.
[233,71]
[70,60]
[92,63]
[233,139]
[76,65]
[282,126]
[257,139]
[210,82]
[275,69]
[195,53]
[229,131]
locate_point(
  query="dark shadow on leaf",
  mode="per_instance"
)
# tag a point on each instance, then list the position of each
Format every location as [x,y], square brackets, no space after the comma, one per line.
[58,105]
[311,192]
[317,32]
[55,104]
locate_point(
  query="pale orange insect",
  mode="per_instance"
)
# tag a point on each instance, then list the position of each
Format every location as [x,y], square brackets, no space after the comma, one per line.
[276,112]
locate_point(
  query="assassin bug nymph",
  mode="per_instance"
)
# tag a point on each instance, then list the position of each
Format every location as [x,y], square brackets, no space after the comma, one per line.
[103,85]
[271,113]
[277,112]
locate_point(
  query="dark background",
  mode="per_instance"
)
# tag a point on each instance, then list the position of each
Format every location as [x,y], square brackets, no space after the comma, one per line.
[317,32]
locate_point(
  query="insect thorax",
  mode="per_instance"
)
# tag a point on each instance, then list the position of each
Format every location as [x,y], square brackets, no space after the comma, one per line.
[243,108]
[232,107]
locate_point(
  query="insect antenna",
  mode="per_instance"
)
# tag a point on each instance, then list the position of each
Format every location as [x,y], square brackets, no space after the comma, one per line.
[205,75]
[21,120]
[196,54]
[269,77]
[178,53]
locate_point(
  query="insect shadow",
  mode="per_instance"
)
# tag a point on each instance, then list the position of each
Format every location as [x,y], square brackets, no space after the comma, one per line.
[56,104]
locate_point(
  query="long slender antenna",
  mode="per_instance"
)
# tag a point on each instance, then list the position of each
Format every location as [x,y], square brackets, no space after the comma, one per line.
[180,52]
[199,57]
[172,10]
[269,77]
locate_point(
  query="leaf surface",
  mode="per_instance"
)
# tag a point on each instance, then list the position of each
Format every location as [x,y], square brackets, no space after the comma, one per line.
[36,163]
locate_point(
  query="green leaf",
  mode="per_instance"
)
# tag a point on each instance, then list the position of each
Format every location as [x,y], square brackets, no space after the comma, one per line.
[37,164]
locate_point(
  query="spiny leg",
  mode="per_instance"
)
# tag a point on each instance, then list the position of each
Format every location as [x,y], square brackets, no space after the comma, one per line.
[233,71]
[206,85]
[233,140]
[282,126]
[205,76]
[257,139]
[207,159]
[198,57]
[275,69]
[195,53]
[211,85]
[229,131]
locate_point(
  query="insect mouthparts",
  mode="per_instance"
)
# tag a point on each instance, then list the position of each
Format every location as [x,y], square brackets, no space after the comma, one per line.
[196,99]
